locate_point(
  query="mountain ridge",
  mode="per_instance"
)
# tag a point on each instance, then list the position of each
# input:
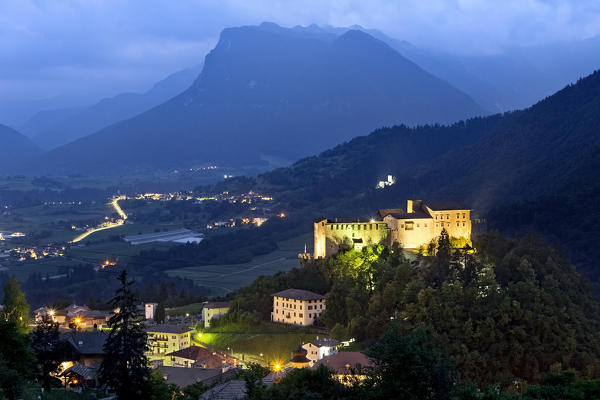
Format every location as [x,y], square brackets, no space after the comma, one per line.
[290,95]
[53,128]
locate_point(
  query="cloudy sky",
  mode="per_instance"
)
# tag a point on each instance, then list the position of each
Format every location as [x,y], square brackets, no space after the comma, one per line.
[102,47]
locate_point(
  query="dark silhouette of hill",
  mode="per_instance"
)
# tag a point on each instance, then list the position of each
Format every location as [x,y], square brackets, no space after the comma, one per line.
[53,128]
[14,147]
[269,91]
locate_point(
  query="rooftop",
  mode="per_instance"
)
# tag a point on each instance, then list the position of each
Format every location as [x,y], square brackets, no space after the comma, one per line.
[183,377]
[81,370]
[195,353]
[86,342]
[217,304]
[446,205]
[325,342]
[167,328]
[230,390]
[345,362]
[298,294]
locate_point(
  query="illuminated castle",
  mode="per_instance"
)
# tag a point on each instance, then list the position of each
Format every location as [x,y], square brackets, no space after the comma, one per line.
[411,228]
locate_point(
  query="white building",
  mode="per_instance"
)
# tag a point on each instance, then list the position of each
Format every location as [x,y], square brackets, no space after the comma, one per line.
[319,348]
[297,307]
[149,310]
[213,310]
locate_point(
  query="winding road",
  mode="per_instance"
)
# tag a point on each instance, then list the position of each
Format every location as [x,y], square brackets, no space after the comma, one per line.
[107,225]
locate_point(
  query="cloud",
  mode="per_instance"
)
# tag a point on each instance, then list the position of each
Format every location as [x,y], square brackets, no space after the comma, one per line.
[111,46]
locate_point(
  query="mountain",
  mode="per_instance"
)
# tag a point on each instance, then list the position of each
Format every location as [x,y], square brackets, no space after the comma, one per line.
[508,79]
[269,91]
[53,128]
[14,147]
[534,169]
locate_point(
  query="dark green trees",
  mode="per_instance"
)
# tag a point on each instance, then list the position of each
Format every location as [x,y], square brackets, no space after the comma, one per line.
[17,361]
[409,367]
[159,314]
[16,309]
[125,366]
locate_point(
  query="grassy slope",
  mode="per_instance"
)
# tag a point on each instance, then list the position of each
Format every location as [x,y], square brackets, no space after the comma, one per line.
[274,341]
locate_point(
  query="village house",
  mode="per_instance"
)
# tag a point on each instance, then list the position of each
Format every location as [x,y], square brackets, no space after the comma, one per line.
[412,228]
[166,338]
[297,307]
[199,357]
[319,348]
[86,355]
[347,366]
[213,310]
[79,317]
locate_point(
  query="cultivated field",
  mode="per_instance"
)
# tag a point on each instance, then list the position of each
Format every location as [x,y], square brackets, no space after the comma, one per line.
[227,278]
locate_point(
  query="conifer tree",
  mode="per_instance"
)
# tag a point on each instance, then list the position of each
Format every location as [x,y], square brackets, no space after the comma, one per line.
[125,367]
[159,315]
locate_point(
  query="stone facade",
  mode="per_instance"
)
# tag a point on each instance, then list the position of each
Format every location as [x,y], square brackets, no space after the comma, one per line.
[411,228]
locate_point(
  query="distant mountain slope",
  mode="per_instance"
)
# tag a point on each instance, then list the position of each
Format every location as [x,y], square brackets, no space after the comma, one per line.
[14,147]
[508,79]
[53,128]
[512,155]
[269,91]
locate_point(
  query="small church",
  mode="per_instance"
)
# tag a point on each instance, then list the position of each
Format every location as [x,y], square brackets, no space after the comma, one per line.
[412,227]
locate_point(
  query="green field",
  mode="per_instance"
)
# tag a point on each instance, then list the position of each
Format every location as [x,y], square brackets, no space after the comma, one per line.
[31,220]
[194,308]
[229,277]
[274,341]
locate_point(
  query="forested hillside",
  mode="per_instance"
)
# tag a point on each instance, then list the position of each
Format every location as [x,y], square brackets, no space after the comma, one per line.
[510,312]
[535,168]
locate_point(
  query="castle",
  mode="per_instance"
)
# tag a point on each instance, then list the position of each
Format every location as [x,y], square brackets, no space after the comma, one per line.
[411,228]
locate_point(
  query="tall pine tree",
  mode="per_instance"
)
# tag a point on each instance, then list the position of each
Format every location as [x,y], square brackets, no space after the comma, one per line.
[125,367]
